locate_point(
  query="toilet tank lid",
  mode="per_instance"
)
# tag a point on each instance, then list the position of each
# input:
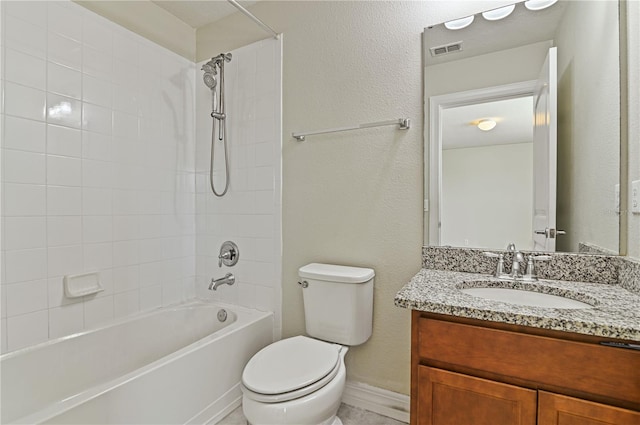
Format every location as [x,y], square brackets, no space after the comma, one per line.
[335,273]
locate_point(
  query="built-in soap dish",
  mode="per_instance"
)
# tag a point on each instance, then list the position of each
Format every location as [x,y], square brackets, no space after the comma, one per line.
[79,285]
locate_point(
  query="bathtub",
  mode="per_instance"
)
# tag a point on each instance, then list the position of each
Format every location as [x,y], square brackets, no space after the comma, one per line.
[173,365]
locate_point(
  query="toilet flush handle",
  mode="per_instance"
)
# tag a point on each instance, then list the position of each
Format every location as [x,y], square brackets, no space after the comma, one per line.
[303,283]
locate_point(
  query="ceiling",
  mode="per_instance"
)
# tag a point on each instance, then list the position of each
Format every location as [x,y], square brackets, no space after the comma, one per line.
[197,13]
[514,118]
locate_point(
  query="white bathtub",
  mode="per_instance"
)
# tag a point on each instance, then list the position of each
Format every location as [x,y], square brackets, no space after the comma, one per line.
[170,366]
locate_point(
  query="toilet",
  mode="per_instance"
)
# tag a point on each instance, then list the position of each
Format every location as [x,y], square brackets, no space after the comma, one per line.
[300,380]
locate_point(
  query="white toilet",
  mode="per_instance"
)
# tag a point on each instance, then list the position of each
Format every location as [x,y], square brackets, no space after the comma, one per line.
[300,380]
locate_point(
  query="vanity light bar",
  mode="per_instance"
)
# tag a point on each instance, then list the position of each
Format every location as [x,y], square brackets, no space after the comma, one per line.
[499,13]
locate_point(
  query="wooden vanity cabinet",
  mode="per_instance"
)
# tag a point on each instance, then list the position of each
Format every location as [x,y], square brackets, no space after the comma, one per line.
[467,371]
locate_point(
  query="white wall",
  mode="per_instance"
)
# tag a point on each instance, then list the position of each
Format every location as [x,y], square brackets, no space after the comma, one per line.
[250,213]
[104,184]
[487,197]
[588,125]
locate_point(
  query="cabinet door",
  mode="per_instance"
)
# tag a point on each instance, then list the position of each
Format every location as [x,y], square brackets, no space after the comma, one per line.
[554,409]
[447,398]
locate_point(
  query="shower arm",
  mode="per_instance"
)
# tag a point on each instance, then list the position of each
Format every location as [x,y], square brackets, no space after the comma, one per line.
[251,16]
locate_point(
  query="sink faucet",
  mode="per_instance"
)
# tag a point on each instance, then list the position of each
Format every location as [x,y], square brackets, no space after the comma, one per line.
[518,260]
[228,279]
[517,265]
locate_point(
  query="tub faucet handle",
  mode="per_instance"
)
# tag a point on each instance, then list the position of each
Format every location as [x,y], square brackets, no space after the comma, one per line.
[229,254]
[223,256]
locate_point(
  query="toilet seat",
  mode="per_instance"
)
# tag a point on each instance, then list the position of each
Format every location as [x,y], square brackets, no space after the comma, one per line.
[290,368]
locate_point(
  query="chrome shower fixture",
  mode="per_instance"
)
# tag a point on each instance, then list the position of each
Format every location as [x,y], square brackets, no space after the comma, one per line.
[211,69]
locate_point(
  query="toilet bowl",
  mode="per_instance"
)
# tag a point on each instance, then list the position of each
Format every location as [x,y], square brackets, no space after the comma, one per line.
[300,380]
[297,380]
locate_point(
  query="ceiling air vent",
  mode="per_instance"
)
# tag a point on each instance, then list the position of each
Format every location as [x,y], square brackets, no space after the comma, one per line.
[447,48]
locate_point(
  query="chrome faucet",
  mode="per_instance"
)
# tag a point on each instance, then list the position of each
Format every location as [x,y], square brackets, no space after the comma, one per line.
[517,265]
[518,260]
[228,279]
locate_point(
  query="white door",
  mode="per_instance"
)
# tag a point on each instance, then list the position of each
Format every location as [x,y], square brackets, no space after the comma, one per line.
[545,155]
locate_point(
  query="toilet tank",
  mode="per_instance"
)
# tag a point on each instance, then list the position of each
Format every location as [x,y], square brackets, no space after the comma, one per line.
[338,302]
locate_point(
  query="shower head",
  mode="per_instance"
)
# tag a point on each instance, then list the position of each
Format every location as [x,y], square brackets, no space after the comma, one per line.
[210,67]
[209,80]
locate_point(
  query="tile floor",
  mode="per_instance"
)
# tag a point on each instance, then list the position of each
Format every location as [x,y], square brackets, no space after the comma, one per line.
[350,416]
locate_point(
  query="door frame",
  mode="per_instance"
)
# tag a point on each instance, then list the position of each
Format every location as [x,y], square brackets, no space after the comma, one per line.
[437,104]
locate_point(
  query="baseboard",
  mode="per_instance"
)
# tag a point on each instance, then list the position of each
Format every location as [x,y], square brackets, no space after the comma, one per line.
[377,400]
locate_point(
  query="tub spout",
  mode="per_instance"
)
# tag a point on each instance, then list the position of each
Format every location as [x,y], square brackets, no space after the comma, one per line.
[228,279]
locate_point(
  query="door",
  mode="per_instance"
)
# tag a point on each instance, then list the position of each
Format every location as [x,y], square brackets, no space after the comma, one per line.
[448,398]
[545,155]
[554,409]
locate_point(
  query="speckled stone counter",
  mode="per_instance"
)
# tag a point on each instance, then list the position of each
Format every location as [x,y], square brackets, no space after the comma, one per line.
[615,314]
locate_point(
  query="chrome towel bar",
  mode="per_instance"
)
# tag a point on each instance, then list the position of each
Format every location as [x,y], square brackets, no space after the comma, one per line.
[403,123]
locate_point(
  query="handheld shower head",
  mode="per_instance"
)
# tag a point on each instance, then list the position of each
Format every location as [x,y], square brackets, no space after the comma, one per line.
[209,80]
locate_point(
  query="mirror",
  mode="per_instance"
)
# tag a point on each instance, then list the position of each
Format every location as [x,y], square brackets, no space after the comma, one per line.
[484,188]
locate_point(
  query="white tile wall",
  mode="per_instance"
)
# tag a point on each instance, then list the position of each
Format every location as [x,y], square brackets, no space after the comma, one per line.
[98,171]
[250,213]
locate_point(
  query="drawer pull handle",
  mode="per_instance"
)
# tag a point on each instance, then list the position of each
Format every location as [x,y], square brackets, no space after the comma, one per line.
[621,345]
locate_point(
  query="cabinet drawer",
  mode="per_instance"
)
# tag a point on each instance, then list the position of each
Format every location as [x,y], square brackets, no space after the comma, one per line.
[554,409]
[448,398]
[590,368]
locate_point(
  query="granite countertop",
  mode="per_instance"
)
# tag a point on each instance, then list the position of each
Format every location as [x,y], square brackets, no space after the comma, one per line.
[615,314]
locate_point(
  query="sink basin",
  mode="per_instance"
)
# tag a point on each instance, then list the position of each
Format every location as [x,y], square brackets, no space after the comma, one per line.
[524,297]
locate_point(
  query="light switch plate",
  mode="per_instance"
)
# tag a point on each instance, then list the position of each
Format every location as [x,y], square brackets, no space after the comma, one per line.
[635,196]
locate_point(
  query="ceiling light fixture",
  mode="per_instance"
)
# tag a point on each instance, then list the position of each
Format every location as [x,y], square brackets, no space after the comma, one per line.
[458,24]
[499,13]
[539,4]
[486,125]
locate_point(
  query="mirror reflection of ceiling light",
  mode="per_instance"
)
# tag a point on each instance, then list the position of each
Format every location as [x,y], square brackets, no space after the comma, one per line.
[486,125]
[458,24]
[499,13]
[539,4]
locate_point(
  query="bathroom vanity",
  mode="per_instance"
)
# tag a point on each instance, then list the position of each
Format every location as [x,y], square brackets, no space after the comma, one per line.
[476,372]
[480,361]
